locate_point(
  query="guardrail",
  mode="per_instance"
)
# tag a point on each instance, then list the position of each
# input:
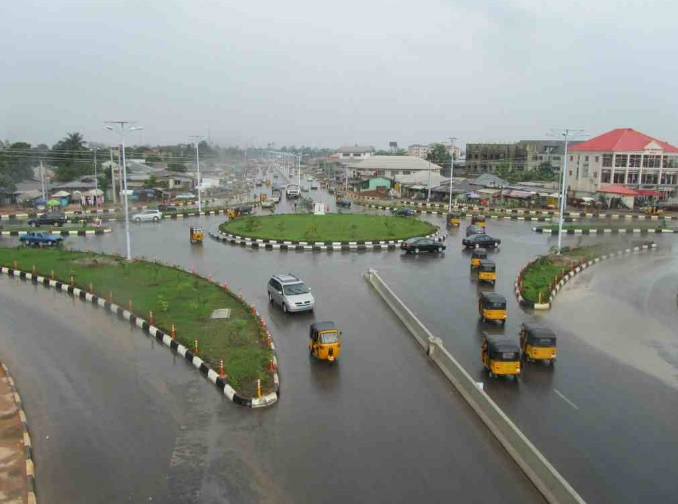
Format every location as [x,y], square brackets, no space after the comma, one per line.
[544,476]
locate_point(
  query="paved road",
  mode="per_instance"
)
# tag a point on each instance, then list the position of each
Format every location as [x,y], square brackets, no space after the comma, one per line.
[381,426]
[378,410]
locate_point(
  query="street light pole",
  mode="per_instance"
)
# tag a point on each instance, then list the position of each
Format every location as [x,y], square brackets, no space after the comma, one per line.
[96,184]
[566,134]
[428,198]
[197,163]
[449,206]
[123,128]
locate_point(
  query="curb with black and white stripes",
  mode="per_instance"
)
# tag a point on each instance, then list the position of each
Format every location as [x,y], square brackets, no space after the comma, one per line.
[587,231]
[160,336]
[547,306]
[62,232]
[28,447]
[326,246]
[526,218]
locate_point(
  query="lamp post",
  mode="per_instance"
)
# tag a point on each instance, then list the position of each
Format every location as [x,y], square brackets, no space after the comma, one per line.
[122,128]
[566,134]
[197,163]
[96,182]
[449,206]
[428,198]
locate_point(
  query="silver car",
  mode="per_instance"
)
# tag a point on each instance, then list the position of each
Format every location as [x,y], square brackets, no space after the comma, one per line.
[147,215]
[290,293]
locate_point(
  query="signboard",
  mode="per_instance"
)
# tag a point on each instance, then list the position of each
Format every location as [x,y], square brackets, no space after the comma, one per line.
[319,208]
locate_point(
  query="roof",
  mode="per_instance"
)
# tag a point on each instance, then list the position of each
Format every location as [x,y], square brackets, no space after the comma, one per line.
[356,149]
[623,140]
[421,178]
[501,343]
[488,180]
[411,163]
[327,325]
[493,297]
[619,190]
[539,329]
[649,192]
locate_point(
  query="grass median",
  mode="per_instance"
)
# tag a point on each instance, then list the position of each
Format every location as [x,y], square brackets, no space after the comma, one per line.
[542,274]
[330,227]
[175,297]
[610,224]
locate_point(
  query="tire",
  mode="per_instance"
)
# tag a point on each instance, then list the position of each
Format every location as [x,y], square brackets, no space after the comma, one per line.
[155,219]
[284,307]
[137,220]
[270,298]
[439,249]
[416,250]
[33,224]
[503,322]
[490,373]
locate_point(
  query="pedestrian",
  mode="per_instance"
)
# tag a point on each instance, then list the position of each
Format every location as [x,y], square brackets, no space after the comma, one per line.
[295,206]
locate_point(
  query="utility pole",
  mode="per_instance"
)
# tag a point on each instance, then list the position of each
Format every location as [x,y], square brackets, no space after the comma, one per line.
[123,128]
[197,139]
[566,134]
[115,199]
[449,206]
[42,180]
[428,198]
[96,183]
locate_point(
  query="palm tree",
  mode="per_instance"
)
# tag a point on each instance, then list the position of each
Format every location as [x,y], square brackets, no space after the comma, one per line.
[73,142]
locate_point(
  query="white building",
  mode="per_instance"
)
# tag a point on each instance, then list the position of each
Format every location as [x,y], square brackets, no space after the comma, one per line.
[391,166]
[355,152]
[623,157]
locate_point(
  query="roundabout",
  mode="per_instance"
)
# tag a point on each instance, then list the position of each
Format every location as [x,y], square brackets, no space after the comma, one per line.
[341,228]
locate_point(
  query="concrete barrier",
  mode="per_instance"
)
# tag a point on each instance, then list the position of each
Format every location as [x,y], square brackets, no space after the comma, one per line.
[543,475]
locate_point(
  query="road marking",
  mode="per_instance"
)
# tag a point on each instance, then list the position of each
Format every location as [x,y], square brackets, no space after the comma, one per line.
[566,399]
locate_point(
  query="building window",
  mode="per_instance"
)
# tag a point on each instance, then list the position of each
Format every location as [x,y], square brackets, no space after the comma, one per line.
[607,160]
[632,177]
[619,177]
[606,176]
[407,172]
[555,158]
[669,179]
[620,161]
[652,161]
[586,158]
[649,178]
[634,161]
[570,173]
[585,173]
[571,158]
[595,159]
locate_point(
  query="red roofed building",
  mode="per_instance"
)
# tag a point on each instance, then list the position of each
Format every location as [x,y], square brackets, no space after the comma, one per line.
[624,157]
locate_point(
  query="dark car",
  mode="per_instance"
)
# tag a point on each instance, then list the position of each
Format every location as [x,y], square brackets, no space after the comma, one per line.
[480,240]
[403,212]
[344,203]
[167,208]
[47,220]
[245,209]
[474,230]
[420,244]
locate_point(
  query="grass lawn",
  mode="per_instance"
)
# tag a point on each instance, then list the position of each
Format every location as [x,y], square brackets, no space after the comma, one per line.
[540,276]
[50,229]
[331,227]
[175,297]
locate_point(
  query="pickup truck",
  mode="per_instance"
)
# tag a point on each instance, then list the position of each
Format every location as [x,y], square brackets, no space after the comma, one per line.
[37,238]
[47,220]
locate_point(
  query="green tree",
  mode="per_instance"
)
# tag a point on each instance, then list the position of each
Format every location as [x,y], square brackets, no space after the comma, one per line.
[150,182]
[439,155]
[72,157]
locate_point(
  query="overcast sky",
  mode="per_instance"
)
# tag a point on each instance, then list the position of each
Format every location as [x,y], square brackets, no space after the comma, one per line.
[336,73]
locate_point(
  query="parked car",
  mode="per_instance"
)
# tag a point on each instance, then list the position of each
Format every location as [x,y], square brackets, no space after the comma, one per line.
[290,293]
[403,212]
[421,244]
[343,202]
[474,230]
[38,238]
[167,208]
[480,240]
[147,215]
[47,220]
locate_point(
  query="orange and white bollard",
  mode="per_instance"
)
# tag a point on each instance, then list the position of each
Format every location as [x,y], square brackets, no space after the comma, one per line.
[239,293]
[33,269]
[211,280]
[271,366]
[52,275]
[258,387]
[174,332]
[91,287]
[129,305]
[225,287]
[14,264]
[254,308]
[72,281]
[221,369]
[150,317]
[110,297]
[195,346]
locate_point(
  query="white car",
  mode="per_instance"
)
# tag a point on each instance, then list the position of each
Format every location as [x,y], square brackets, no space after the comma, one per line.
[314,186]
[147,215]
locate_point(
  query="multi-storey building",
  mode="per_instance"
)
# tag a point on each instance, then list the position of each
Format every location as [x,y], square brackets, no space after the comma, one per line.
[354,153]
[623,157]
[418,150]
[525,155]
